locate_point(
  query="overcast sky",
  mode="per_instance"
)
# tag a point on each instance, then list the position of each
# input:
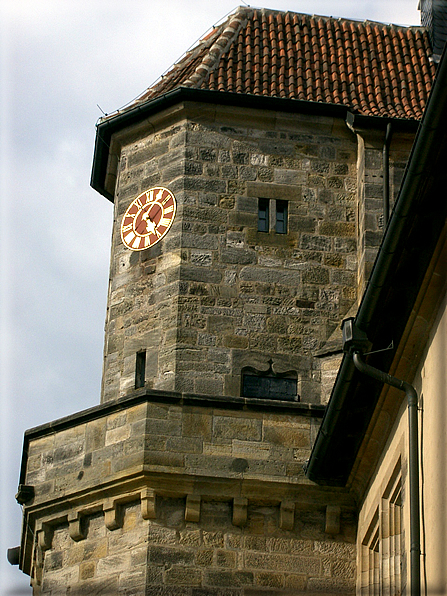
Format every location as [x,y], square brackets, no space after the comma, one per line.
[60,59]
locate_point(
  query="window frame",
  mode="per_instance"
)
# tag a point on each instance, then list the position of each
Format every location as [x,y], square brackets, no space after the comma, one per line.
[263,215]
[273,215]
[382,547]
[281,216]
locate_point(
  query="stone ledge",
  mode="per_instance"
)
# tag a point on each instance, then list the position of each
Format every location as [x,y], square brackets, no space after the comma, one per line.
[168,397]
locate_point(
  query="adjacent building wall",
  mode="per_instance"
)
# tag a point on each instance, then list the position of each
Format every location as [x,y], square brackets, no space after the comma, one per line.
[384,564]
[433,396]
[383,540]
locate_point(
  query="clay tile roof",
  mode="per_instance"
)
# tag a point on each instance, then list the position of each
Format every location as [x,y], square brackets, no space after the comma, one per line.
[372,68]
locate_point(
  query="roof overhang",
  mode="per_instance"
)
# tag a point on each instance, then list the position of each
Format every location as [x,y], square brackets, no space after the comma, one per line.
[408,250]
[132,116]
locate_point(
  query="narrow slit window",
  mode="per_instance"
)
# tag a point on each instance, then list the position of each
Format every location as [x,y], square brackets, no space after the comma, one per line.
[140,370]
[263,215]
[281,217]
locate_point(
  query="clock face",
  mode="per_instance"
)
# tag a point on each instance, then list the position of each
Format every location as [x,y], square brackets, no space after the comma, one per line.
[148,218]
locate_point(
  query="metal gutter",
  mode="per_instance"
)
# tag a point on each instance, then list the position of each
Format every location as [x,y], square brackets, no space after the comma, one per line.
[334,443]
[386,173]
[113,124]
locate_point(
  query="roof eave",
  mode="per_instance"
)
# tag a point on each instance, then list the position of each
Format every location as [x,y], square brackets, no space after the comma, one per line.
[122,120]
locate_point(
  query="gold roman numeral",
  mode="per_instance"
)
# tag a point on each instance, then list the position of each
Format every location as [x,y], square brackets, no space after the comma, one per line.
[136,243]
[128,239]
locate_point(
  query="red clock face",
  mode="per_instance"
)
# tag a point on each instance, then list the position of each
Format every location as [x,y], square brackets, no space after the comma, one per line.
[148,218]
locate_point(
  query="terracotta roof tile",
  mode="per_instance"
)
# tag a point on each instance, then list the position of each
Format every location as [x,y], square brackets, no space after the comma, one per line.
[372,68]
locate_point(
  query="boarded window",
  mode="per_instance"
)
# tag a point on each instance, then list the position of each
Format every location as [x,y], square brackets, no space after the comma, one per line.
[269,387]
[272,215]
[269,384]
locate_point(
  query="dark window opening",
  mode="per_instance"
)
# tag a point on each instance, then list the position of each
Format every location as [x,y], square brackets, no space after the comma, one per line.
[269,385]
[263,215]
[140,370]
[281,217]
[276,210]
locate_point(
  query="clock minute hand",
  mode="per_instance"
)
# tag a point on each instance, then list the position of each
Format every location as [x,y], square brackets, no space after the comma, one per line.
[151,225]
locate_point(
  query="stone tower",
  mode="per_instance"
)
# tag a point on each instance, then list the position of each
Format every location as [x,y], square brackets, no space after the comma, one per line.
[221,332]
[219,302]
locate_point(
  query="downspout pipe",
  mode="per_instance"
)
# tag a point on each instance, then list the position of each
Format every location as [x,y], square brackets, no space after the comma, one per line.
[413,464]
[386,174]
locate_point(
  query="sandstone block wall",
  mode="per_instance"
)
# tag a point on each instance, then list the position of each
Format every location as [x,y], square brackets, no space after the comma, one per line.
[141,496]
[185,491]
[168,556]
[216,295]
[370,221]
[216,441]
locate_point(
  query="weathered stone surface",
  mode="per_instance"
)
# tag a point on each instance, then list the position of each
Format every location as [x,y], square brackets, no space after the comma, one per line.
[181,576]
[226,427]
[176,499]
[196,542]
[229,578]
[224,169]
[168,556]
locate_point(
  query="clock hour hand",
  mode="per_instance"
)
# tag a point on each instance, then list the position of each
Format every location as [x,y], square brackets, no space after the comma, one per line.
[150,225]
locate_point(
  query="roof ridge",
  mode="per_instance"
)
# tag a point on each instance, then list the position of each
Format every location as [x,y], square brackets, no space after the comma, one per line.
[230,30]
[326,17]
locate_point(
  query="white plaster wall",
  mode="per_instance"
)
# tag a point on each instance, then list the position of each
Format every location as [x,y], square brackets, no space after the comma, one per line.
[395,451]
[431,385]
[433,437]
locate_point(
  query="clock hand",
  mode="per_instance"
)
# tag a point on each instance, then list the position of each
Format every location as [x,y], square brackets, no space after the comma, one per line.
[150,224]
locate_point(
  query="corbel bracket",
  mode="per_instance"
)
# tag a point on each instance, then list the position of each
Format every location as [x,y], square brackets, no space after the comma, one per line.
[287,515]
[240,506]
[192,509]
